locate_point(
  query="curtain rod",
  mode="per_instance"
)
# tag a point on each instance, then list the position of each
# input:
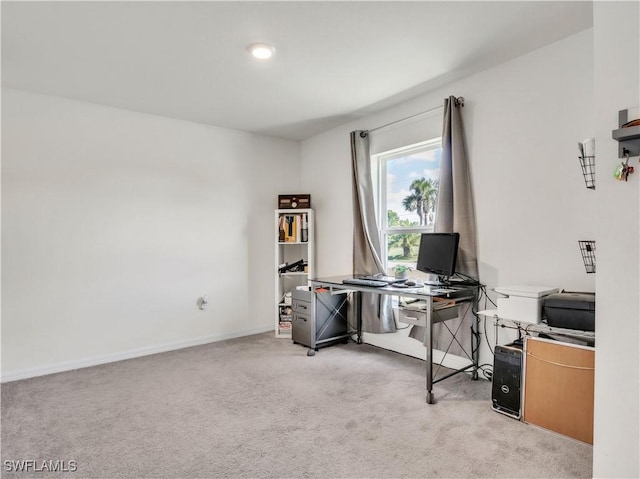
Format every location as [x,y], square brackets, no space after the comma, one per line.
[459,102]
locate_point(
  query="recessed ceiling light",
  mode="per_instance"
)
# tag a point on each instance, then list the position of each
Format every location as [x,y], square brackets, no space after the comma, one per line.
[262,51]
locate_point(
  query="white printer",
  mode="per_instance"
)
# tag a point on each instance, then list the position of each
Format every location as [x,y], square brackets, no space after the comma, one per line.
[522,303]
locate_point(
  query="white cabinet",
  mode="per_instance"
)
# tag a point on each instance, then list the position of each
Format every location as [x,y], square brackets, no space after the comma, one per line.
[294,261]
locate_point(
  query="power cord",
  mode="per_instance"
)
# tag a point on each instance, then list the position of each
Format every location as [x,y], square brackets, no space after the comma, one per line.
[487,371]
[486,337]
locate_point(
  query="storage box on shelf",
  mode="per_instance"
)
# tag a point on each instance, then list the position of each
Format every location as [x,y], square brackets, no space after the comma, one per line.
[294,261]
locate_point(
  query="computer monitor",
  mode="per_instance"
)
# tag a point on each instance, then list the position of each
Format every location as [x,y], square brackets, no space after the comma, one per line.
[437,255]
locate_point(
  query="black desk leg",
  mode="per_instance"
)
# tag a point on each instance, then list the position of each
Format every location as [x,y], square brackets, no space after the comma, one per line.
[475,337]
[358,307]
[428,342]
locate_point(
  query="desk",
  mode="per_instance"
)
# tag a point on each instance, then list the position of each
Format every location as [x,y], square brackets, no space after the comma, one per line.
[465,295]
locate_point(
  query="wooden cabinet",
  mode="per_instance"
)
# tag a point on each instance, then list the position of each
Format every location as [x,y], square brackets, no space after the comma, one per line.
[558,387]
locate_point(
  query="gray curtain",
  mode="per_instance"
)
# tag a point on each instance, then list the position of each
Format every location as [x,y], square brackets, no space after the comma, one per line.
[455,212]
[376,310]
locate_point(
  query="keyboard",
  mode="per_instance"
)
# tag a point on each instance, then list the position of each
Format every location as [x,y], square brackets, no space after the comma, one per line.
[373,283]
[379,277]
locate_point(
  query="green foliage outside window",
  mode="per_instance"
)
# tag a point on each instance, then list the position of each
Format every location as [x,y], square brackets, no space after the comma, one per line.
[401,244]
[422,199]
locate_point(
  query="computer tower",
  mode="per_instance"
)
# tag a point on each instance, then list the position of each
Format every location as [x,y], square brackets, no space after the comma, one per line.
[507,380]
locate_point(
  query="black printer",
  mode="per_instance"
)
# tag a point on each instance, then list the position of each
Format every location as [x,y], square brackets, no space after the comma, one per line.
[570,311]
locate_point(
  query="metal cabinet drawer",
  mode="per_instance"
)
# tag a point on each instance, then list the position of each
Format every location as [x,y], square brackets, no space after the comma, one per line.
[303,329]
[418,317]
[301,301]
[412,316]
[304,307]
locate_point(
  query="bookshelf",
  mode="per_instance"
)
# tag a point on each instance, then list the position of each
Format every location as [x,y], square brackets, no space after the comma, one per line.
[294,261]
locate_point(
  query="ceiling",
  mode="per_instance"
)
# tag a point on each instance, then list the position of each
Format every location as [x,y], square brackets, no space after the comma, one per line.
[335,61]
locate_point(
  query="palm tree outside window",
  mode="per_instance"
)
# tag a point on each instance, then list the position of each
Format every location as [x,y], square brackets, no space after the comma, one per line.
[406,200]
[422,199]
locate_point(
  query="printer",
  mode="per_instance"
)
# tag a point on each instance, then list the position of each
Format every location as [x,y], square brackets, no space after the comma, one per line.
[570,310]
[523,303]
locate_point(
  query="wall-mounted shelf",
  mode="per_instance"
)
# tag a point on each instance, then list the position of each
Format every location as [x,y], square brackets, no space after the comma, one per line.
[588,165]
[627,138]
[588,251]
[587,158]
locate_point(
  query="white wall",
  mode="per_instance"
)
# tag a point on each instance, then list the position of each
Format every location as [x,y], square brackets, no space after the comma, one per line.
[617,402]
[115,223]
[523,120]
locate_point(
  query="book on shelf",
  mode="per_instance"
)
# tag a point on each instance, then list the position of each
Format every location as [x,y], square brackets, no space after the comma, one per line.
[304,227]
[286,313]
[293,228]
[290,228]
[281,229]
[285,326]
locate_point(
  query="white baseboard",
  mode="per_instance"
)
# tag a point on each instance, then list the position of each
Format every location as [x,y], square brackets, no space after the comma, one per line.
[120,356]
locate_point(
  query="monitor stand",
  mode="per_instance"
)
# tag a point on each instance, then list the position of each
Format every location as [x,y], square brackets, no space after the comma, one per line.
[440,282]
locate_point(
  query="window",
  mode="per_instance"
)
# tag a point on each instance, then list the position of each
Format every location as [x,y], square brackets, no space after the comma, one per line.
[406,202]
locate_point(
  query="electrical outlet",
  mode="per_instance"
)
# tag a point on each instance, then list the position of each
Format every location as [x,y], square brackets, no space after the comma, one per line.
[203,302]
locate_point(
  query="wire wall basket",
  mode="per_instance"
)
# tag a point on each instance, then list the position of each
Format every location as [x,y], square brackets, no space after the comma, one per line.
[588,165]
[588,251]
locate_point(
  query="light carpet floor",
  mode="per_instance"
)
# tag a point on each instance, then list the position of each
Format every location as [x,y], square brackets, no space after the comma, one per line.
[258,407]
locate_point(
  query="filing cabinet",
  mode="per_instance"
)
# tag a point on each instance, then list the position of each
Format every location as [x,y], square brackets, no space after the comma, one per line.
[318,318]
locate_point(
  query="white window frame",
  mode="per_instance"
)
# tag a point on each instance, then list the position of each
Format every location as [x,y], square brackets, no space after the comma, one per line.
[380,161]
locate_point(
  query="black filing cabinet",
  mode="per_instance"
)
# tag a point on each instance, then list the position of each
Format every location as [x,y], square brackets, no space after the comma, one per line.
[318,319]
